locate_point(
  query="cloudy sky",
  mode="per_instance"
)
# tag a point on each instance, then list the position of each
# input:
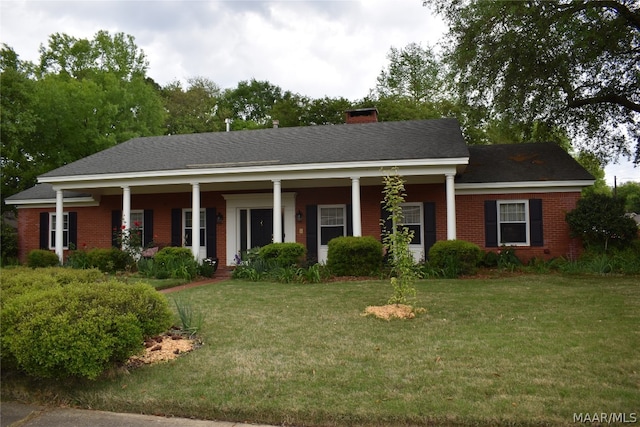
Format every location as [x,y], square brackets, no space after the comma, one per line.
[314,48]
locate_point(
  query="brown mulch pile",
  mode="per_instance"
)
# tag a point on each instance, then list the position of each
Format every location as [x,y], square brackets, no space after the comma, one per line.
[386,312]
[163,348]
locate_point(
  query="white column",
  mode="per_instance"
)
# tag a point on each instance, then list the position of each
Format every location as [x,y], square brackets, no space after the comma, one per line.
[59,238]
[126,213]
[451,206]
[277,211]
[195,220]
[355,207]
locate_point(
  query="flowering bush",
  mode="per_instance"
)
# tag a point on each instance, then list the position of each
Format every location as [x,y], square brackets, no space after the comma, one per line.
[129,239]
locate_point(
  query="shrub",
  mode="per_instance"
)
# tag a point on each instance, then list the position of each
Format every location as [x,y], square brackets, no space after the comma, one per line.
[80,330]
[175,262]
[78,259]
[599,221]
[283,254]
[208,267]
[354,256]
[455,257]
[108,260]
[42,258]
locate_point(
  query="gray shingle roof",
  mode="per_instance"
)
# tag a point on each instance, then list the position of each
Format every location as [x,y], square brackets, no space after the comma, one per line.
[44,192]
[521,162]
[419,139]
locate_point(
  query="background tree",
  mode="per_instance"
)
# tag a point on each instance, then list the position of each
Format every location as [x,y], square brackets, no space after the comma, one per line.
[413,72]
[84,96]
[251,102]
[630,192]
[17,123]
[570,64]
[193,110]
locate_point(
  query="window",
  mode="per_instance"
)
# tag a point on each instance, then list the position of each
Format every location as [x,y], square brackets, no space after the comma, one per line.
[332,223]
[52,231]
[513,222]
[412,219]
[188,227]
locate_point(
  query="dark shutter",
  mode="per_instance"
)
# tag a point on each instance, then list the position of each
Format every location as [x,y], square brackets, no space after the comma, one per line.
[73,230]
[349,220]
[243,231]
[116,222]
[429,226]
[535,222]
[148,227]
[490,224]
[386,224]
[44,230]
[211,223]
[176,227]
[312,232]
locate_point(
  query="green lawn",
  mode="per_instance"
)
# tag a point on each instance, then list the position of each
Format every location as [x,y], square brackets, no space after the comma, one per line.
[521,350]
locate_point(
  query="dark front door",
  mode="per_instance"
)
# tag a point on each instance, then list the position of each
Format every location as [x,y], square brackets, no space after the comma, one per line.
[261,227]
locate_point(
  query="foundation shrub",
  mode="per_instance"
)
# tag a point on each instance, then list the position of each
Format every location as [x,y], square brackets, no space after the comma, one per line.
[79,330]
[108,260]
[455,257]
[39,258]
[283,254]
[354,256]
[176,263]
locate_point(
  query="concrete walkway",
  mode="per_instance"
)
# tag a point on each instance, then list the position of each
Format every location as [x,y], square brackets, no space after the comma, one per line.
[13,414]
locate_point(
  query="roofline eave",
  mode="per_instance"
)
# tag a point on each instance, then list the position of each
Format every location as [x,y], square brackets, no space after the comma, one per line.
[521,187]
[259,173]
[47,202]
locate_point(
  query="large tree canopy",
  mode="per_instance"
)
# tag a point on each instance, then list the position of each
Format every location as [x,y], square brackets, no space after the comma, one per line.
[84,96]
[572,64]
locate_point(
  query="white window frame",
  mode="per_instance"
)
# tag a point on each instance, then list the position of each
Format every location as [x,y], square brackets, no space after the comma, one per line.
[527,222]
[417,249]
[324,249]
[203,226]
[52,230]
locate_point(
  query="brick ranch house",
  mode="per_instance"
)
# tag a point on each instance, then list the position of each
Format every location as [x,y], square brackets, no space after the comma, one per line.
[324,181]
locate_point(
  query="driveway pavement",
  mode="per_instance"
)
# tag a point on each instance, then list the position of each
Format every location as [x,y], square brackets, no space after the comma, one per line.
[13,414]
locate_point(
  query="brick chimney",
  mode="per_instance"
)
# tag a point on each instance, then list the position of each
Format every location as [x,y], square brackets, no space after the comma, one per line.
[362,115]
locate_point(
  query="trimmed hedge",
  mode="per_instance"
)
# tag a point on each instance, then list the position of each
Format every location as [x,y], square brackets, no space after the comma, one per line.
[39,258]
[59,329]
[455,257]
[109,260]
[283,254]
[355,256]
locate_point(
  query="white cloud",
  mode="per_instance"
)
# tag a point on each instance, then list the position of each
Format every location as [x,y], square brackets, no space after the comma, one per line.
[315,48]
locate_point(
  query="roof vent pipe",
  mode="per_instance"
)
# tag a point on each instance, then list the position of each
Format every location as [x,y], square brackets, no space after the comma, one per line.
[276,123]
[228,123]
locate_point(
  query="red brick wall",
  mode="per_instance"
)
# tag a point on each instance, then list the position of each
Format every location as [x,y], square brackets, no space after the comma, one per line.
[94,223]
[470,222]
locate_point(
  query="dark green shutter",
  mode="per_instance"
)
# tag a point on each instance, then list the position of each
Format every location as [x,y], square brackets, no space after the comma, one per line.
[211,222]
[44,230]
[429,226]
[490,224]
[312,233]
[349,220]
[73,230]
[535,222]
[148,227]
[176,227]
[116,222]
